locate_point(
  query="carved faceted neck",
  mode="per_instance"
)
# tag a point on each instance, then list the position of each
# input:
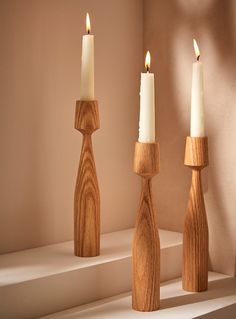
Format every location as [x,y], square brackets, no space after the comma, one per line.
[196,152]
[146,159]
[87,116]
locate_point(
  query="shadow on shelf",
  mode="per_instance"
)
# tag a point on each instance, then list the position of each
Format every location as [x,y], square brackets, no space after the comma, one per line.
[216,289]
[228,312]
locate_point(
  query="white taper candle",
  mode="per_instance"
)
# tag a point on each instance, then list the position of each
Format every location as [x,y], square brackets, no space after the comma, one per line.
[87,65]
[147,105]
[197,127]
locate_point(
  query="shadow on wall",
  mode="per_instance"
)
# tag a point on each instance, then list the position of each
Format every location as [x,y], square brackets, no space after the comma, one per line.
[169,27]
[235,266]
[214,17]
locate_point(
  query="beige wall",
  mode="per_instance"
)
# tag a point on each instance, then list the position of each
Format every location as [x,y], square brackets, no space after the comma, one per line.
[39,83]
[169,27]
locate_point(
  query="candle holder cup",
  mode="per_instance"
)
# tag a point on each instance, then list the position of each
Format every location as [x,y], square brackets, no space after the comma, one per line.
[146,243]
[195,237]
[87,197]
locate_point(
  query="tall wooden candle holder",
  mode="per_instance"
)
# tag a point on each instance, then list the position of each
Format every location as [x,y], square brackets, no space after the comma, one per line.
[195,239]
[146,243]
[87,198]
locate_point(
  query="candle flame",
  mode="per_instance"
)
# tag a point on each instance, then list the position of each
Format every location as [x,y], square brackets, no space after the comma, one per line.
[88,25]
[148,61]
[196,49]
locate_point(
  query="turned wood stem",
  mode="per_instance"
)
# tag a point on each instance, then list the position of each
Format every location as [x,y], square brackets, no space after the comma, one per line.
[87,198]
[146,243]
[195,237]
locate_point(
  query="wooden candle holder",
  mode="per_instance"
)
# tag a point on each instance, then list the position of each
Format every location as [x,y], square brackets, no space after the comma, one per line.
[146,243]
[87,198]
[195,237]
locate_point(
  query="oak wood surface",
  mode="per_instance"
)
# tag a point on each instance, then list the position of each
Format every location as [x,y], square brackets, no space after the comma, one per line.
[196,154]
[146,159]
[87,116]
[195,237]
[146,243]
[87,196]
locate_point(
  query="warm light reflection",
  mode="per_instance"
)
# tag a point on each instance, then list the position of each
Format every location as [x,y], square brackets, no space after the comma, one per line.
[88,25]
[148,61]
[196,49]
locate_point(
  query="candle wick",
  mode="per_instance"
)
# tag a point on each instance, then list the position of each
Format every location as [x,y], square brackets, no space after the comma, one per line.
[88,31]
[198,57]
[147,69]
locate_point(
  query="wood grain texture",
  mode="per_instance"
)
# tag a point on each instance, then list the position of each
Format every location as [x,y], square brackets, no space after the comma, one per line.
[146,243]
[87,116]
[195,237]
[87,197]
[146,159]
[196,154]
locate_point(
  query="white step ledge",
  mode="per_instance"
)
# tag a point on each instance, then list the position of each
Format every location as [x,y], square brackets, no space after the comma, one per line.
[218,302]
[47,279]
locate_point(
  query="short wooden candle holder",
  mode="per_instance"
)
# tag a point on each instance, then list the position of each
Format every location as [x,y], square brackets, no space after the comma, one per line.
[146,243]
[87,198]
[195,237]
